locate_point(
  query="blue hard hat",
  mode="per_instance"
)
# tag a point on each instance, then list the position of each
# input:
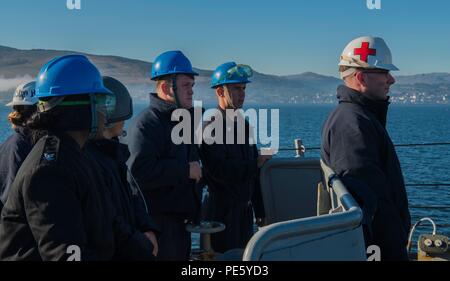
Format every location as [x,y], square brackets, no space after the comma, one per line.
[171,62]
[231,73]
[69,75]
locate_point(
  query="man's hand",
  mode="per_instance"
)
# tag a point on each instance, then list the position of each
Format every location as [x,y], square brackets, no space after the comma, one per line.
[152,237]
[262,159]
[195,171]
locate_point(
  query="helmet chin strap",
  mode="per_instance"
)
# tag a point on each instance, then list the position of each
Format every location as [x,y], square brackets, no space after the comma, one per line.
[228,99]
[175,94]
[94,118]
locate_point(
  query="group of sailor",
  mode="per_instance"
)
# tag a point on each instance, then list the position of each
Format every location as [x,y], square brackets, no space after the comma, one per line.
[68,182]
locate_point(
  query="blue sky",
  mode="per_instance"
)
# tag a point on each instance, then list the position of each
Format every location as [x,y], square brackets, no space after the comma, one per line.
[275,37]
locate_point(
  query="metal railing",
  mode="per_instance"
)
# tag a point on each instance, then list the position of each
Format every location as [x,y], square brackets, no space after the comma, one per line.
[349,218]
[317,147]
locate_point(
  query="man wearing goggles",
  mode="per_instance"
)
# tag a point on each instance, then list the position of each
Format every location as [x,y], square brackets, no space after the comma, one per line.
[231,170]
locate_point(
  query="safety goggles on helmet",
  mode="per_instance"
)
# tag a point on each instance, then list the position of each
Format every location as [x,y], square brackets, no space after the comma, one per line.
[241,70]
[231,73]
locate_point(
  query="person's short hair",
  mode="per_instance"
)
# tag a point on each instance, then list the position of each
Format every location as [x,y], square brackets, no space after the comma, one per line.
[164,79]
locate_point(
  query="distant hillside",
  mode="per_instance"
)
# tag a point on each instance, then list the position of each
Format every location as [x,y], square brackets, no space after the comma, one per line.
[18,66]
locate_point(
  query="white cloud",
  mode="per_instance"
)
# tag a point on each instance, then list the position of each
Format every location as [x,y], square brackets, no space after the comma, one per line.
[11,83]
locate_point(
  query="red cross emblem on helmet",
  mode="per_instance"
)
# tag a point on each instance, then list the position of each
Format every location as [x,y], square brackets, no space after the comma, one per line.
[364,52]
[356,54]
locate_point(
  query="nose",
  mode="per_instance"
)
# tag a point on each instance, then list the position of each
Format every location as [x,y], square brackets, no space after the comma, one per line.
[391,79]
[191,91]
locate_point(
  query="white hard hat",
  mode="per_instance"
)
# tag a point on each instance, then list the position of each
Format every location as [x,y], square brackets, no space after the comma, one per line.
[367,52]
[24,95]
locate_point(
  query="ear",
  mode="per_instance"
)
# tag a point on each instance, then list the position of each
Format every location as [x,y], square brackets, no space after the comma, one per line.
[165,87]
[360,78]
[220,92]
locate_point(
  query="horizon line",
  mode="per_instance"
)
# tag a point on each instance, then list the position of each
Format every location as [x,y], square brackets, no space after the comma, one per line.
[202,69]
